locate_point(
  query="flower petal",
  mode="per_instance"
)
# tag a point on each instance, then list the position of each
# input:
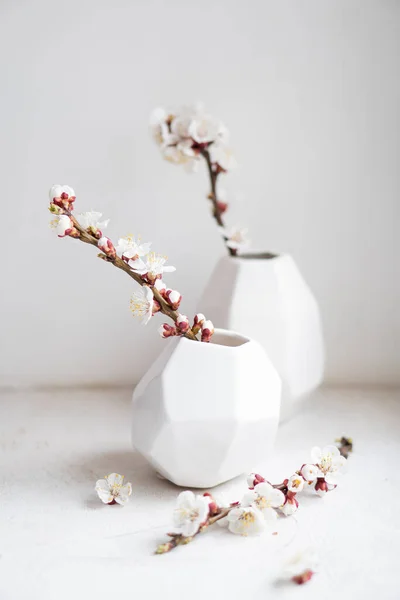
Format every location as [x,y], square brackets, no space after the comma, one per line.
[115,479]
[316,454]
[270,514]
[249,497]
[186,500]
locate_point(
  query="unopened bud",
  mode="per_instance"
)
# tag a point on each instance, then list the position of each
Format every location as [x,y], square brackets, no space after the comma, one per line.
[207,331]
[212,505]
[167,330]
[303,577]
[173,298]
[198,322]
[253,479]
[182,323]
[222,207]
[106,246]
[160,286]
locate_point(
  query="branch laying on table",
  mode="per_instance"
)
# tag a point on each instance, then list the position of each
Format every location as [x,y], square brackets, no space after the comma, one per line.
[262,503]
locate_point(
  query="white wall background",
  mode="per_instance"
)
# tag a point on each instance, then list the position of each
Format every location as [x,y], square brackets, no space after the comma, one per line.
[310,91]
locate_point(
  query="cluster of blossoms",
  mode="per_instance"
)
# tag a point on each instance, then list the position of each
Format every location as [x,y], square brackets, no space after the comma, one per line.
[135,258]
[190,135]
[261,504]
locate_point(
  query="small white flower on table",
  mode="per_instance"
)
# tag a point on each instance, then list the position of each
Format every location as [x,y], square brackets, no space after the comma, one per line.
[302,566]
[112,489]
[330,462]
[265,498]
[309,472]
[246,521]
[190,513]
[295,483]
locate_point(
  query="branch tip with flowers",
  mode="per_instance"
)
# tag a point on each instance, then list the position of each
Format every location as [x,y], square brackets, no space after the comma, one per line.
[261,504]
[134,258]
[190,135]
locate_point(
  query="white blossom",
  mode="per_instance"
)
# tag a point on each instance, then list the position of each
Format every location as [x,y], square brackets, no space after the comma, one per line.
[92,219]
[142,303]
[160,285]
[290,507]
[246,521]
[153,266]
[204,129]
[191,511]
[235,237]
[112,488]
[61,225]
[265,498]
[130,248]
[309,472]
[305,560]
[295,483]
[223,156]
[57,190]
[330,462]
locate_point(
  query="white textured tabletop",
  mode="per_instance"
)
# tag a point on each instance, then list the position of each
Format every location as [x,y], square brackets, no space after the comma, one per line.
[57,541]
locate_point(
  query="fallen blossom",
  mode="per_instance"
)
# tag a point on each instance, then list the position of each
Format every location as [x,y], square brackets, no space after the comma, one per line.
[246,521]
[291,504]
[190,513]
[112,489]
[309,472]
[330,463]
[295,483]
[322,486]
[301,567]
[265,498]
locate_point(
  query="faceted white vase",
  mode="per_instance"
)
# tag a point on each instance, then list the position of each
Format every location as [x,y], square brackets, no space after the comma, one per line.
[265,297]
[207,412]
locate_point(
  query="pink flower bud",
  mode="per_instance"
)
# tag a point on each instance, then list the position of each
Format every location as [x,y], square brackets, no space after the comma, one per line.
[199,319]
[167,330]
[182,323]
[213,506]
[303,577]
[253,479]
[106,246]
[222,207]
[207,330]
[322,486]
[291,505]
[173,298]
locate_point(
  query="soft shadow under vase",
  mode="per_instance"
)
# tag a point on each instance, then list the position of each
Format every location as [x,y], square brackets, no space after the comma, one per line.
[265,297]
[207,412]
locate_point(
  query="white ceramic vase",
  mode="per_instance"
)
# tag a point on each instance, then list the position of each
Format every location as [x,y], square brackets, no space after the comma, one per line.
[265,297]
[205,413]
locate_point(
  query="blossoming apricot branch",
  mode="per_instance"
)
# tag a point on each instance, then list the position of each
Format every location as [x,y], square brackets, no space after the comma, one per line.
[189,136]
[261,504]
[134,258]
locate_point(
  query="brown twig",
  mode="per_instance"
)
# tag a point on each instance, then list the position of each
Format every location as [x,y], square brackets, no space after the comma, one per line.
[217,214]
[121,264]
[177,539]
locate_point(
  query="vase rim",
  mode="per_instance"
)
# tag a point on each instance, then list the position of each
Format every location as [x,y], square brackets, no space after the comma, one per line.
[259,255]
[225,338]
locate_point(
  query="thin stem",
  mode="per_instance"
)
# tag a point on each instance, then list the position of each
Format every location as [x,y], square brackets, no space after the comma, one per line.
[121,264]
[213,195]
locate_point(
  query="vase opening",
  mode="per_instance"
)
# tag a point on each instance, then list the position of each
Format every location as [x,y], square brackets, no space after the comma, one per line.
[228,338]
[257,255]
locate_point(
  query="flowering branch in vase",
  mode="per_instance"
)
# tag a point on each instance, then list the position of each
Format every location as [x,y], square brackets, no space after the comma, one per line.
[189,136]
[134,258]
[263,501]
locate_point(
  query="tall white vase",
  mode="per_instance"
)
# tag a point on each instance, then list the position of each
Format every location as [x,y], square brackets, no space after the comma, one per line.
[205,413]
[265,297]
